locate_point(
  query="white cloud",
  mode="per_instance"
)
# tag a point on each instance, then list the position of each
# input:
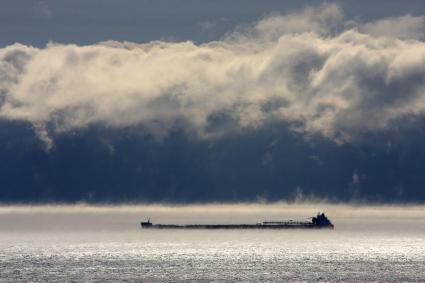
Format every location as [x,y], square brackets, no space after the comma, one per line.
[403,27]
[289,68]
[319,20]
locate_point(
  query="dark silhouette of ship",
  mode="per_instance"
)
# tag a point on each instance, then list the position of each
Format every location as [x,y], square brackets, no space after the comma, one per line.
[317,222]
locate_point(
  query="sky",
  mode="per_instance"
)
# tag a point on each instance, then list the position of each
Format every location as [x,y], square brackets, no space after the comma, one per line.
[212,101]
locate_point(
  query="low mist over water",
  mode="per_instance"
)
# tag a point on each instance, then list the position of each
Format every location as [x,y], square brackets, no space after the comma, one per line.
[84,243]
[122,218]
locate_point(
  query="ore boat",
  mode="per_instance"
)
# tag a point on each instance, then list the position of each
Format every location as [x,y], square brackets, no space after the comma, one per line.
[320,221]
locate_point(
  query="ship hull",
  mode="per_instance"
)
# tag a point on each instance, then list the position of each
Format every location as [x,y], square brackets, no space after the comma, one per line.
[236,226]
[318,222]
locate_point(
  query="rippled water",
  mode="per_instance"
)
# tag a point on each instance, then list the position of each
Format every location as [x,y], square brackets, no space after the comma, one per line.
[107,244]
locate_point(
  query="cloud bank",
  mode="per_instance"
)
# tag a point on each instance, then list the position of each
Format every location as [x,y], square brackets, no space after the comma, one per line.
[314,69]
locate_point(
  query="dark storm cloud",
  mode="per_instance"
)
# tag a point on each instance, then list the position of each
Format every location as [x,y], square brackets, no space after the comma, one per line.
[126,165]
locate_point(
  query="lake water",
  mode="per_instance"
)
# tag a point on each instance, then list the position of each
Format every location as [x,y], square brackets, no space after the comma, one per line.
[105,243]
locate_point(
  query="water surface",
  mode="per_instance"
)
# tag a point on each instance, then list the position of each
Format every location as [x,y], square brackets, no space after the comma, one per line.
[85,243]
